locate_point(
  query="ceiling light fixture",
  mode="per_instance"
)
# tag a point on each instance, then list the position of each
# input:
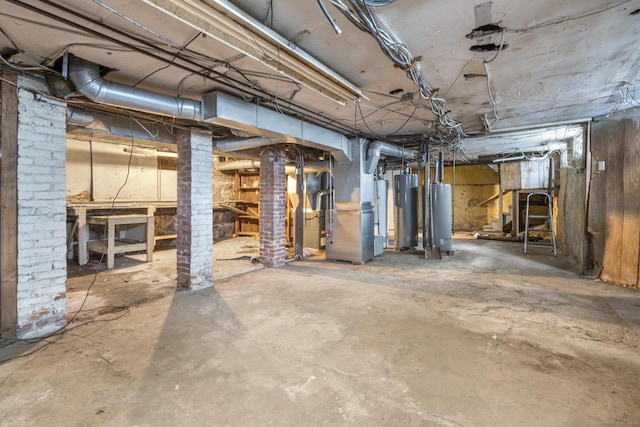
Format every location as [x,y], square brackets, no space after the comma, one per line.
[231,26]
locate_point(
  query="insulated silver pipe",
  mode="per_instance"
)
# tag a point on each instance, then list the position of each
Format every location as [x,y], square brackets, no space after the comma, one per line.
[86,78]
[80,120]
[312,167]
[378,148]
[241,144]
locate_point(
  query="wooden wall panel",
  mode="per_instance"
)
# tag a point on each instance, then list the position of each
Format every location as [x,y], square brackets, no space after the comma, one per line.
[631,225]
[614,205]
[8,205]
[597,205]
[510,176]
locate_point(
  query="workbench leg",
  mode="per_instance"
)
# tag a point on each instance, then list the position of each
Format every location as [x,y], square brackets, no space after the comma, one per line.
[83,253]
[151,237]
[111,237]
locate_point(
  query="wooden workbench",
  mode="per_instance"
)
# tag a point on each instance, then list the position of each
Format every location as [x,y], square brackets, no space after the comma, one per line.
[83,212]
[111,246]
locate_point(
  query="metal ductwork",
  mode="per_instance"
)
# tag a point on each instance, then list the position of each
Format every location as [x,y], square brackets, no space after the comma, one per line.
[86,78]
[233,145]
[228,111]
[379,148]
[237,165]
[312,167]
[82,121]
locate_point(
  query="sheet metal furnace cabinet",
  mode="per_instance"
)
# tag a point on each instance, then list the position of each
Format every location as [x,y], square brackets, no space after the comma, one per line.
[351,232]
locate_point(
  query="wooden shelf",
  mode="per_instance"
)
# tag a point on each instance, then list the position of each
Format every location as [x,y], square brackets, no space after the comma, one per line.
[247,203]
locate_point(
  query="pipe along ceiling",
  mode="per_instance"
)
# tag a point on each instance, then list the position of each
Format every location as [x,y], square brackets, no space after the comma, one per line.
[224,110]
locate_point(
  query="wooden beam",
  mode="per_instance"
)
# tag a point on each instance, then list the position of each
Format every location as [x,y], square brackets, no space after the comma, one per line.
[495,196]
[8,205]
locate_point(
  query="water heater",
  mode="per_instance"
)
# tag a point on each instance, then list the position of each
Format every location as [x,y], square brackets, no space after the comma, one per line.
[442,228]
[405,202]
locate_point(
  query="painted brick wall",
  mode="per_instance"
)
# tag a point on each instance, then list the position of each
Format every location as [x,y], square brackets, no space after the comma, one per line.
[42,266]
[194,215]
[272,208]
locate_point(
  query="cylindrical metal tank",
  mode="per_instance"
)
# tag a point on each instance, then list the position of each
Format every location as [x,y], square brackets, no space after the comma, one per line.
[406,210]
[442,230]
[380,214]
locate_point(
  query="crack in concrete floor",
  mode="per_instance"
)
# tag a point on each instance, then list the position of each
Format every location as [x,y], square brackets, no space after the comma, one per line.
[398,341]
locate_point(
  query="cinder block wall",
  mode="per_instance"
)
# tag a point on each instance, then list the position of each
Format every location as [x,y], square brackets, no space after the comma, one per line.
[42,267]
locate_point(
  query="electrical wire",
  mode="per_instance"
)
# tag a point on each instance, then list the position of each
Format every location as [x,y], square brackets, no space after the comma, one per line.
[571,18]
[248,89]
[14,67]
[175,57]
[138,24]
[363,15]
[459,74]
[329,18]
[60,332]
[488,75]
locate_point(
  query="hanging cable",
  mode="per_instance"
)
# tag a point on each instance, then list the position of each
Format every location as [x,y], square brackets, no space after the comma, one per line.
[329,18]
[363,15]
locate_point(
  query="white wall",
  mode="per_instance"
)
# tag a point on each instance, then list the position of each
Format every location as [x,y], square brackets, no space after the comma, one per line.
[99,169]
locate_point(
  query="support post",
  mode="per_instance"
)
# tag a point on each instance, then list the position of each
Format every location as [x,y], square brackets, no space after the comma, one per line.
[272,207]
[194,211]
[299,233]
[8,205]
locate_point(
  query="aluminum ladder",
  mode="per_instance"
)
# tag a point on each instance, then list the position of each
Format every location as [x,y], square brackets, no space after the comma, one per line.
[548,218]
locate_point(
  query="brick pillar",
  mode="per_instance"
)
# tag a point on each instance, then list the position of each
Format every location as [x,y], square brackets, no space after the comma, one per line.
[272,208]
[195,214]
[42,214]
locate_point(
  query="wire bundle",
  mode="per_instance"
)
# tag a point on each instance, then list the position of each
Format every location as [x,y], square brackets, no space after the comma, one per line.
[363,15]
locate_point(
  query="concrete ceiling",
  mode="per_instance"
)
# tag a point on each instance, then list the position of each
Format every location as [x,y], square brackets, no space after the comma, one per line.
[561,61]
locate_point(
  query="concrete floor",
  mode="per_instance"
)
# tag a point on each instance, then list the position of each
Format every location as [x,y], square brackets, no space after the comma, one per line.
[487,337]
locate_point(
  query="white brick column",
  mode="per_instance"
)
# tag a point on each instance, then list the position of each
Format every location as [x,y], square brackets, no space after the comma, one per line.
[195,214]
[42,234]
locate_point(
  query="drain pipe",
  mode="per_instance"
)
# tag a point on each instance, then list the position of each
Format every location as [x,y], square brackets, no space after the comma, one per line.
[86,78]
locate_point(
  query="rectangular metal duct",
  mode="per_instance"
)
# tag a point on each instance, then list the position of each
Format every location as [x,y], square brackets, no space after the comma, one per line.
[226,110]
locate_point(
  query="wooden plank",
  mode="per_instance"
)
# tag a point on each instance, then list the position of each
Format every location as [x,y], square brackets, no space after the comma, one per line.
[597,204]
[629,259]
[615,205]
[8,205]
[111,237]
[151,231]
[495,196]
[83,235]
[510,177]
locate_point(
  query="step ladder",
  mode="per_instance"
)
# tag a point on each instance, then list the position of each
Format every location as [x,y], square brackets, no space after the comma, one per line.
[548,218]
